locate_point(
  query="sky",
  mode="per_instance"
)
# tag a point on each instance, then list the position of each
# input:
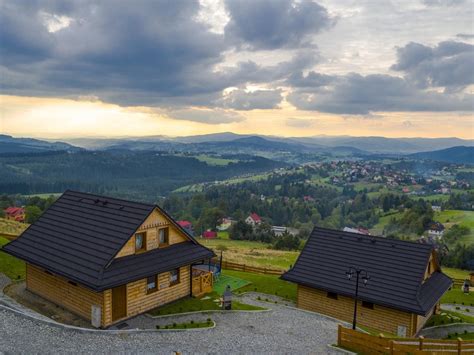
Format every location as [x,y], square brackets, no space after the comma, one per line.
[82,68]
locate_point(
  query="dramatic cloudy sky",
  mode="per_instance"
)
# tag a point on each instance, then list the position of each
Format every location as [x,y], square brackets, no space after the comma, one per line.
[282,67]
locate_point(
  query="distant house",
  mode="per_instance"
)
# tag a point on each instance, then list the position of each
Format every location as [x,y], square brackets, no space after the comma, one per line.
[225,224]
[107,259]
[253,219]
[404,290]
[15,214]
[308,198]
[356,230]
[436,230]
[280,230]
[436,208]
[406,190]
[209,235]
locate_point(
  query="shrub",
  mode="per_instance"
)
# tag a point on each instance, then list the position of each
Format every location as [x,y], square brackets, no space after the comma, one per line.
[259,298]
[458,307]
[468,310]
[209,320]
[157,327]
[255,289]
[174,325]
[192,322]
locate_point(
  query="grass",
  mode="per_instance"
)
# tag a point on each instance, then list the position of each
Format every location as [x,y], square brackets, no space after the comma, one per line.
[463,218]
[215,161]
[463,336]
[448,317]
[209,302]
[268,284]
[188,325]
[12,267]
[456,273]
[254,253]
[456,296]
[383,221]
[11,227]
[46,195]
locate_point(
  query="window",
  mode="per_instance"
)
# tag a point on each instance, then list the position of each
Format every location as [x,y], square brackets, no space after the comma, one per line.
[332,295]
[174,277]
[151,284]
[368,305]
[140,242]
[163,235]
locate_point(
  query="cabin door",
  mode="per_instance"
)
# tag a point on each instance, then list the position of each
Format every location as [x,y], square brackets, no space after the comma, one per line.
[119,302]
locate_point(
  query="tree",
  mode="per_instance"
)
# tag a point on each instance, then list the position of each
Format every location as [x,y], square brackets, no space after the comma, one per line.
[287,241]
[32,213]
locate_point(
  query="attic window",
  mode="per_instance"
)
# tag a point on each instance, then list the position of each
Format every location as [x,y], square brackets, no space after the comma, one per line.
[332,295]
[163,234]
[368,305]
[140,242]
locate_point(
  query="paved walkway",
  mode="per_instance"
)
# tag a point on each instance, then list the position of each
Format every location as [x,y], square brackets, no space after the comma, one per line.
[282,330]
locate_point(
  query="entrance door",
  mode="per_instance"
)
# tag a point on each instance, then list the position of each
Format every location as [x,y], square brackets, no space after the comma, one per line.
[119,302]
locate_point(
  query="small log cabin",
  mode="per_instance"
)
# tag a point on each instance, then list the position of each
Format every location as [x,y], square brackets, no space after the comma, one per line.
[107,260]
[404,289]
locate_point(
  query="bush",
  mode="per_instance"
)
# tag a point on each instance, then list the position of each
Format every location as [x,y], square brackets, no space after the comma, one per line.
[209,320]
[174,325]
[157,327]
[192,322]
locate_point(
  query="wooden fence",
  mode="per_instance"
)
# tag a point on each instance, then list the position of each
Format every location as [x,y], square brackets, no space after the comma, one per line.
[373,345]
[248,268]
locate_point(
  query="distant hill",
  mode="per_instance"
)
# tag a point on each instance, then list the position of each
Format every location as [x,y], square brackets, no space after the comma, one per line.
[9,144]
[460,155]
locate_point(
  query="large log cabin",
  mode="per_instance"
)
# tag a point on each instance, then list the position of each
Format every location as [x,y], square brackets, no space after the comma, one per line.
[404,289]
[106,259]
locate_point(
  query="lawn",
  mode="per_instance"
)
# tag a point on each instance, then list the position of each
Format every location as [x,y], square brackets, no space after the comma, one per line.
[447,317]
[215,161]
[456,296]
[209,302]
[463,218]
[11,266]
[252,253]
[268,284]
[383,221]
[456,273]
[227,280]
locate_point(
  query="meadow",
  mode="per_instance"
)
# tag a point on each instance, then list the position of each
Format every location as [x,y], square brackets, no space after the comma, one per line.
[463,218]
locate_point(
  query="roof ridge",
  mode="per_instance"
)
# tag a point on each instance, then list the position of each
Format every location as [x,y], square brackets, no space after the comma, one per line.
[107,197]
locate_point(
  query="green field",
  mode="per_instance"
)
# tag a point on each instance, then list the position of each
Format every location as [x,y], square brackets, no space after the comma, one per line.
[11,266]
[463,218]
[216,161]
[456,296]
[456,273]
[46,195]
[251,253]
[383,221]
[11,227]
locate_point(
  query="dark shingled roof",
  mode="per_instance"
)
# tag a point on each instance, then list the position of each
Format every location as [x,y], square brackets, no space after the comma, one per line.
[396,269]
[80,234]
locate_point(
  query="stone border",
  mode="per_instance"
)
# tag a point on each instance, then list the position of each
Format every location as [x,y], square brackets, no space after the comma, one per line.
[99,331]
[447,326]
[219,311]
[337,348]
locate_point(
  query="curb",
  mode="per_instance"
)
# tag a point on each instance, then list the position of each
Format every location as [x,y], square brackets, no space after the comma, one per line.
[344,351]
[447,326]
[100,331]
[218,311]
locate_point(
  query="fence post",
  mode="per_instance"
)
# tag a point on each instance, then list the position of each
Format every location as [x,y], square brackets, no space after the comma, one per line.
[339,335]
[420,347]
[391,347]
[459,345]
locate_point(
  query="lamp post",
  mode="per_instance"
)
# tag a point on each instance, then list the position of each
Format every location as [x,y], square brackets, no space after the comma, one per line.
[365,279]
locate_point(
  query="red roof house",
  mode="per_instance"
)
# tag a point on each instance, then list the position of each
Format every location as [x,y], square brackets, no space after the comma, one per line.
[209,235]
[185,224]
[253,219]
[15,214]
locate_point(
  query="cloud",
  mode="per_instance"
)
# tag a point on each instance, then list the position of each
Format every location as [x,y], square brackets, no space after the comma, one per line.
[275,24]
[260,99]
[443,2]
[360,95]
[449,64]
[203,115]
[465,35]
[299,122]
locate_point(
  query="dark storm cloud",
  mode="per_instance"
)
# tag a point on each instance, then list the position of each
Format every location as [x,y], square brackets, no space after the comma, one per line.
[449,64]
[259,99]
[361,95]
[274,24]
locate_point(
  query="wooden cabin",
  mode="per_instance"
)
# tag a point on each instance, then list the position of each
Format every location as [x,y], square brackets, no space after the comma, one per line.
[106,259]
[404,289]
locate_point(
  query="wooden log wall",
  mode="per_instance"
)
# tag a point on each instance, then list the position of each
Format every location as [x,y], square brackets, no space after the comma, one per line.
[380,318]
[58,290]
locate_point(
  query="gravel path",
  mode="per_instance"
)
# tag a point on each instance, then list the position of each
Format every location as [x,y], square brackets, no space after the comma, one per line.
[282,330]
[462,309]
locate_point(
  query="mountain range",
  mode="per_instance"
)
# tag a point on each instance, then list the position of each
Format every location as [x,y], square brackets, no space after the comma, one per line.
[293,149]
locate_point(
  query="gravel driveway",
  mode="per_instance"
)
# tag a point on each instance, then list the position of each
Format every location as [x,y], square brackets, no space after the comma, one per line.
[282,330]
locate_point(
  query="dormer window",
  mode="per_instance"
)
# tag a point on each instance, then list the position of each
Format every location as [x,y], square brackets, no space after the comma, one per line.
[163,235]
[140,242]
